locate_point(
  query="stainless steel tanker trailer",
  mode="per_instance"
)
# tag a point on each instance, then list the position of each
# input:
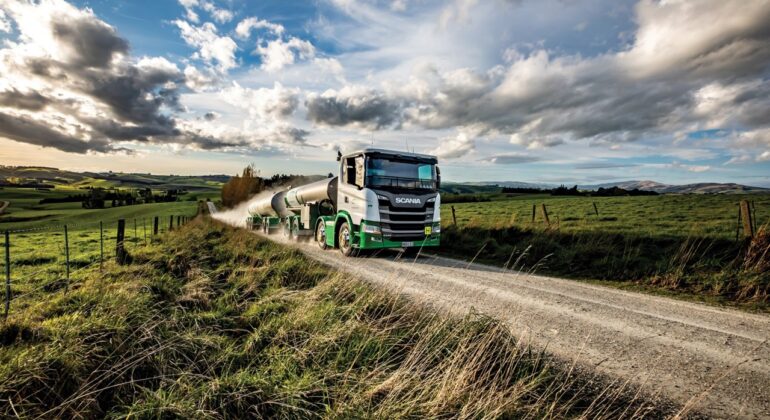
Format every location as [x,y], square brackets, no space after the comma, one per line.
[381,199]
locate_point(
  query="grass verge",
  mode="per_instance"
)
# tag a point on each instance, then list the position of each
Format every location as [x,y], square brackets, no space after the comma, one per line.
[708,269]
[214,322]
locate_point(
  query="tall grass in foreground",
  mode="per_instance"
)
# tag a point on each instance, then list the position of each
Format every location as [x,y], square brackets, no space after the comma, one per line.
[216,323]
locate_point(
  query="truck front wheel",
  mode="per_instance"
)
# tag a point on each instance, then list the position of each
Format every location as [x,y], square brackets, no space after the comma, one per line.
[320,234]
[345,239]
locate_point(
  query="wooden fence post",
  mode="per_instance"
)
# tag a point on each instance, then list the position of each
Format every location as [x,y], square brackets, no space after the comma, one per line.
[534,208]
[67,258]
[144,229]
[178,220]
[136,237]
[746,217]
[545,214]
[596,210]
[101,246]
[155,226]
[170,223]
[120,250]
[454,218]
[7,272]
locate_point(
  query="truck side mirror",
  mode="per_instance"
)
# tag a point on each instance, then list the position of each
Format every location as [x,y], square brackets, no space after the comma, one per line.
[339,156]
[359,162]
[438,177]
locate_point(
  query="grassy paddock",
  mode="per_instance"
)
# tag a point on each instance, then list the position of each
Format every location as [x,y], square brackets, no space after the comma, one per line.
[681,244]
[214,322]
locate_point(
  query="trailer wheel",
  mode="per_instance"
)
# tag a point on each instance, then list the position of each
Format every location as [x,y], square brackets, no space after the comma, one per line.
[345,240]
[286,225]
[294,233]
[320,234]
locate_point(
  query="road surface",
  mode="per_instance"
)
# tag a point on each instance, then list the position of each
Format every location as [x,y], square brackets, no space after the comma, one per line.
[711,360]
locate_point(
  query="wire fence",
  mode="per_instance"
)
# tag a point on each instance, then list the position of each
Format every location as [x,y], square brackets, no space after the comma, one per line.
[50,259]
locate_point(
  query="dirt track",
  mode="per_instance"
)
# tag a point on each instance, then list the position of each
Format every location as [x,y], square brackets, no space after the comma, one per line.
[715,360]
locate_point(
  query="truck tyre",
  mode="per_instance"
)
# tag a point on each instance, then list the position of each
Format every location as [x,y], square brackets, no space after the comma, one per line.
[345,240]
[294,233]
[320,234]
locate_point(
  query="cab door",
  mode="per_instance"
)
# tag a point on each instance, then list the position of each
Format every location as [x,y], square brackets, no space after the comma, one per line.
[351,195]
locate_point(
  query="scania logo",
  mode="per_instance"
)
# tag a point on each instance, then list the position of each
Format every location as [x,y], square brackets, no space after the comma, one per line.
[407,200]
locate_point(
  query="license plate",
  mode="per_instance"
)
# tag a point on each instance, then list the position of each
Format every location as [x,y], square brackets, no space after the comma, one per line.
[428,230]
[406,244]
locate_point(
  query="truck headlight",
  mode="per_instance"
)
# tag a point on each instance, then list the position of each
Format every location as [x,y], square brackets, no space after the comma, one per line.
[436,228]
[382,197]
[431,200]
[373,229]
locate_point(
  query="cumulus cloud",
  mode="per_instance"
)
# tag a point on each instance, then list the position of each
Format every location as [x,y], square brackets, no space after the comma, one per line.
[68,82]
[246,26]
[211,46]
[220,15]
[277,54]
[269,110]
[511,159]
[681,72]
[5,25]
[452,148]
[357,106]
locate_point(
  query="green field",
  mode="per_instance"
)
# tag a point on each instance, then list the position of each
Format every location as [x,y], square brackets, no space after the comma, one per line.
[37,242]
[679,216]
[676,244]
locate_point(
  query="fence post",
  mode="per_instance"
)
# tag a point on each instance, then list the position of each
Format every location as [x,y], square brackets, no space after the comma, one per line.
[748,225]
[178,219]
[596,210]
[534,208]
[454,218]
[545,214]
[170,223]
[67,258]
[7,272]
[136,237]
[101,246]
[155,226]
[144,228]
[120,250]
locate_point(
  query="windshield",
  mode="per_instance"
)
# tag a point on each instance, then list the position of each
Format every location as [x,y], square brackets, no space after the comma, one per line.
[381,172]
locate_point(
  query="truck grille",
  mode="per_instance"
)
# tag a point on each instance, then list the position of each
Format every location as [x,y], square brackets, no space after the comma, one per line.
[405,223]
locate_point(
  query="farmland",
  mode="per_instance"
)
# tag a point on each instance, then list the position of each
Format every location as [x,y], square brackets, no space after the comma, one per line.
[679,244]
[37,239]
[673,216]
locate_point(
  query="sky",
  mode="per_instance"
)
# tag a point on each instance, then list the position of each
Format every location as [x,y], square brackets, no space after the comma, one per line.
[551,91]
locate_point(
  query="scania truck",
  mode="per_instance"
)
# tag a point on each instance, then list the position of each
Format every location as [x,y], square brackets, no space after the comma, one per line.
[380,199]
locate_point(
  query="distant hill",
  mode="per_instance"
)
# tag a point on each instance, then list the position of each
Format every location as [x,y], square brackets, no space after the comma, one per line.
[646,185]
[113,179]
[700,188]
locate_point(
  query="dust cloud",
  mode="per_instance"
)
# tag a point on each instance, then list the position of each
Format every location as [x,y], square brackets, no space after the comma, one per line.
[237,215]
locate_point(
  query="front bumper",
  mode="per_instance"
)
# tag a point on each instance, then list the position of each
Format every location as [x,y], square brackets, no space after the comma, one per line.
[378,241]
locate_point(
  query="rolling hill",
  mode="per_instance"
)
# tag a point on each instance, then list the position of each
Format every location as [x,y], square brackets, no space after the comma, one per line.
[61,177]
[645,185]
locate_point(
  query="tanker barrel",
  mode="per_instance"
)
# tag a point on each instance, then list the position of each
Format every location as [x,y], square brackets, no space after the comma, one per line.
[311,193]
[272,205]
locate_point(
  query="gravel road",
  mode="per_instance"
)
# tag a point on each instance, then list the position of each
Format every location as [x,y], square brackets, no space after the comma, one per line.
[712,360]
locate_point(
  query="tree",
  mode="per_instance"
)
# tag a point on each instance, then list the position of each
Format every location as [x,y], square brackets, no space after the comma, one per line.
[240,187]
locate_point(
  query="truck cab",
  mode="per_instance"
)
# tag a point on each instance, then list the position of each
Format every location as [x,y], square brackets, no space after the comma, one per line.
[384,199]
